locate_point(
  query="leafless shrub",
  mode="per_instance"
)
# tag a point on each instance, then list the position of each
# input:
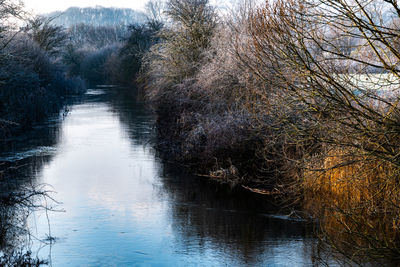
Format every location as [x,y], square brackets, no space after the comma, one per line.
[17,202]
[179,54]
[336,60]
[9,9]
[294,96]
[51,38]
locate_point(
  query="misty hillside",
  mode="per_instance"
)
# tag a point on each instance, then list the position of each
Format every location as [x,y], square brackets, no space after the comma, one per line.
[97,16]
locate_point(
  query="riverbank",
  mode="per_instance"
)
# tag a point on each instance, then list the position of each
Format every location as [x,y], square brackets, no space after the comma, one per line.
[33,86]
[119,196]
[254,100]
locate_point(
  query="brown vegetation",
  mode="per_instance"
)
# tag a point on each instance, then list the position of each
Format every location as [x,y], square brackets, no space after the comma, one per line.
[320,52]
[358,205]
[297,98]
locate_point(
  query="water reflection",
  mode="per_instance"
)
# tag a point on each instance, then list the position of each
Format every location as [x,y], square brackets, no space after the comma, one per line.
[124,206]
[210,219]
[21,159]
[211,222]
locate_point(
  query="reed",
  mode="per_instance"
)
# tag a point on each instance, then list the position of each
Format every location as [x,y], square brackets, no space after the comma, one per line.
[357,200]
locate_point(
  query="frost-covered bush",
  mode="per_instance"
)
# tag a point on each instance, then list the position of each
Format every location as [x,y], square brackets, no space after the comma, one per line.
[32,86]
[215,112]
[93,66]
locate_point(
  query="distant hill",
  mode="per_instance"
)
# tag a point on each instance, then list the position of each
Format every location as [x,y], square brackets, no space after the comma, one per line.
[97,16]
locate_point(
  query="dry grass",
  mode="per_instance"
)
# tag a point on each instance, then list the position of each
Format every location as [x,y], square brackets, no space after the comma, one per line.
[259,102]
[357,199]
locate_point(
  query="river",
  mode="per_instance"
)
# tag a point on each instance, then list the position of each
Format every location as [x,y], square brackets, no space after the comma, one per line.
[121,205]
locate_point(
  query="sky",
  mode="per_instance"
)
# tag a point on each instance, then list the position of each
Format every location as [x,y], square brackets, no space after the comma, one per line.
[46,6]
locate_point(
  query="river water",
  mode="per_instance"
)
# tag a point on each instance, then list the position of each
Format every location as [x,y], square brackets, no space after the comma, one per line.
[121,205]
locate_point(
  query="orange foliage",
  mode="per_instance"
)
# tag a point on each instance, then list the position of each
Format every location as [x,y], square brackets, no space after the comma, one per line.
[357,199]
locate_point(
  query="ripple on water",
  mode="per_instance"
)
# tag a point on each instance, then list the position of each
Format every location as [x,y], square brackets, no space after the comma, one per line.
[95,92]
[41,151]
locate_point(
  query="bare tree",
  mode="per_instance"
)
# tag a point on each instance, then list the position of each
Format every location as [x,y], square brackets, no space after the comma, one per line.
[155,9]
[49,37]
[308,54]
[8,9]
[182,44]
[337,60]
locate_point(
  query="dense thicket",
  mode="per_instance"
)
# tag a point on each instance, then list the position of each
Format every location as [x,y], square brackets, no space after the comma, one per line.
[206,99]
[105,45]
[108,54]
[296,97]
[32,85]
[32,81]
[342,67]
